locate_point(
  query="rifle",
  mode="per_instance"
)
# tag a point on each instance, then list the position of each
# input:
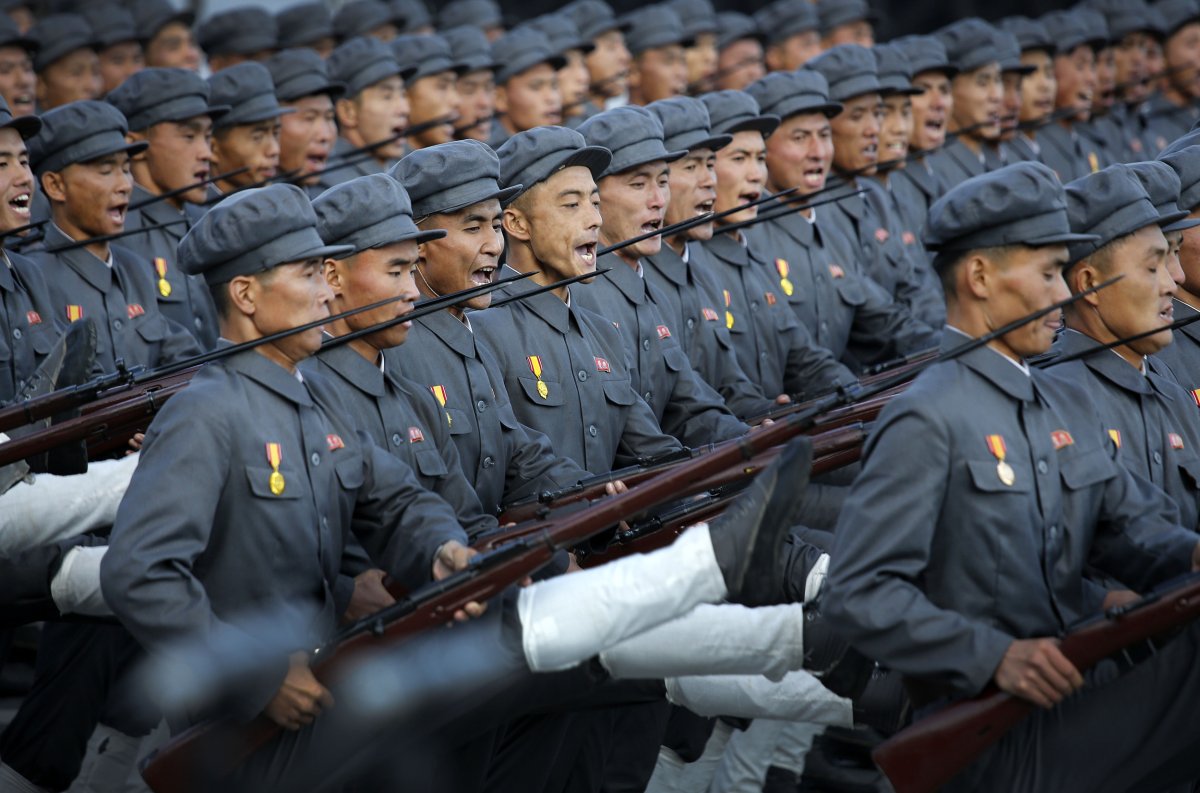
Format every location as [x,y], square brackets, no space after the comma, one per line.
[925,756]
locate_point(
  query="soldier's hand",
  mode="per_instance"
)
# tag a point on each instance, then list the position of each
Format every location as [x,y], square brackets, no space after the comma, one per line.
[1037,671]
[1119,597]
[370,596]
[615,488]
[452,557]
[783,399]
[135,443]
[300,698]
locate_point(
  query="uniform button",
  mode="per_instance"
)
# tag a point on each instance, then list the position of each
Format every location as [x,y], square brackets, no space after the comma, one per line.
[396,438]
[691,323]
[648,395]
[824,326]
[488,462]
[315,459]
[1042,467]
[117,324]
[198,323]
[592,430]
[582,375]
[481,406]
[1157,458]
[16,333]
[1053,532]
[325,522]
[753,304]
[645,344]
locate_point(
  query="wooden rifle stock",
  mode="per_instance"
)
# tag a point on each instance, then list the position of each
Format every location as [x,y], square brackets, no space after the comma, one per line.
[927,755]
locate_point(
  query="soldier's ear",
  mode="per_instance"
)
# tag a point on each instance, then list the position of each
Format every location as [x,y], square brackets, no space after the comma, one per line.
[516,224]
[977,275]
[333,270]
[346,112]
[54,186]
[500,100]
[1081,276]
[243,294]
[137,137]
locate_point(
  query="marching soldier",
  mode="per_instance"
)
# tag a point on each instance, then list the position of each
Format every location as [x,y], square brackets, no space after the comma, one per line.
[739,52]
[235,35]
[18,82]
[118,50]
[1131,27]
[1038,88]
[1062,145]
[573,77]
[1173,110]
[1013,72]
[476,85]
[527,93]
[609,63]
[307,135]
[166,35]
[248,135]
[1183,355]
[700,25]
[978,92]
[306,26]
[483,14]
[431,84]
[66,63]
[793,34]
[846,22]
[364,18]
[658,43]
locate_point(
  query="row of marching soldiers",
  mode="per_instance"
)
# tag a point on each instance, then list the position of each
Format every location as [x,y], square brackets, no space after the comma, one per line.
[778,205]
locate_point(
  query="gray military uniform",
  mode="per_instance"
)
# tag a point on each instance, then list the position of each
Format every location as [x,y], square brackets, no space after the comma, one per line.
[1066,152]
[188,302]
[1182,356]
[916,187]
[955,163]
[343,152]
[683,404]
[1166,121]
[121,298]
[30,323]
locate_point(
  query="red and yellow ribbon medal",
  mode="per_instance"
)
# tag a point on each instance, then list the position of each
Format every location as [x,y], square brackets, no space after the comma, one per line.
[160,267]
[535,366]
[274,456]
[785,283]
[996,446]
[728,313]
[439,393]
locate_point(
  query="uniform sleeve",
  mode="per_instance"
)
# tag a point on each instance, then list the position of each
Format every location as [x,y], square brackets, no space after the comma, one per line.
[884,542]
[642,436]
[177,344]
[453,487]
[695,413]
[884,330]
[532,464]
[811,369]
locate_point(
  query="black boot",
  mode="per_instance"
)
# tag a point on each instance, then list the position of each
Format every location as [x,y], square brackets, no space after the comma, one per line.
[839,667]
[748,537]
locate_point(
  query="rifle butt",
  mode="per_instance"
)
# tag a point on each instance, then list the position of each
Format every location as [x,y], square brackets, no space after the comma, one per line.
[201,758]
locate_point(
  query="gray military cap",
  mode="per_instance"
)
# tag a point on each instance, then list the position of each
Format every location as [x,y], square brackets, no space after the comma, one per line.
[562,32]
[1009,48]
[698,16]
[152,96]
[832,13]
[895,72]
[594,18]
[654,26]
[26,126]
[303,25]
[1107,204]
[633,134]
[59,35]
[360,17]
[361,62]
[1075,28]
[252,231]
[238,31]
[736,111]
[686,125]
[111,24]
[787,94]
[79,132]
[1125,17]
[301,72]
[1163,185]
[520,49]
[151,16]
[11,35]
[368,212]
[532,156]
[1177,13]
[1031,34]
[471,48]
[249,92]
[410,15]
[850,71]
[450,177]
[1019,204]
[481,13]
[733,26]
[970,43]
[925,54]
[783,19]
[1186,164]
[425,55]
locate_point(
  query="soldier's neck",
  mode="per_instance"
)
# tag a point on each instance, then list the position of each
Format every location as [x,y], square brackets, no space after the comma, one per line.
[341,327]
[141,177]
[426,291]
[973,144]
[521,259]
[99,249]
[1089,324]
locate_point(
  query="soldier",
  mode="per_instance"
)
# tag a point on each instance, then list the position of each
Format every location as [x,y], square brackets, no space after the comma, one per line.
[846,22]
[739,52]
[1013,71]
[66,63]
[1038,88]
[527,93]
[978,93]
[476,85]
[1173,111]
[573,77]
[170,112]
[365,18]
[700,25]
[373,111]
[1062,145]
[609,63]
[166,35]
[117,45]
[1031,469]
[306,136]
[1183,355]
[248,135]
[793,34]
[811,261]
[774,349]
[690,295]
[1131,27]
[1101,128]
[238,34]
[658,44]
[431,84]
[634,192]
[18,82]
[412,17]
[483,14]
[82,159]
[308,26]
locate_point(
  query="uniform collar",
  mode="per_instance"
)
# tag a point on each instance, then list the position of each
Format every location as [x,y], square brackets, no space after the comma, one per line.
[670,265]
[625,278]
[157,214]
[455,334]
[839,187]
[1183,310]
[998,369]
[357,370]
[7,282]
[727,249]
[270,375]
[1104,363]
[94,271]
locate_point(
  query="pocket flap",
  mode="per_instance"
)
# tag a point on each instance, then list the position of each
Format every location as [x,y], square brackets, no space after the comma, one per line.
[259,479]
[986,477]
[550,393]
[619,392]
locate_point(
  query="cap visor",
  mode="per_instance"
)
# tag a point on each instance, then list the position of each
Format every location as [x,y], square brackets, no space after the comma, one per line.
[129,148]
[595,158]
[503,196]
[1019,69]
[715,143]
[26,126]
[764,124]
[326,252]
[1176,221]
[1061,239]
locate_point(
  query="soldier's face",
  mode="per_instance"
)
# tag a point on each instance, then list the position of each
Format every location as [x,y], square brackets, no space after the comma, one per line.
[371,276]
[72,77]
[1182,55]
[16,181]
[1018,284]
[91,198]
[306,137]
[931,110]
[1075,80]
[800,153]
[794,51]
[856,134]
[468,256]
[1189,257]
[702,61]
[477,91]
[633,203]
[978,96]
[287,296]
[1039,87]
[741,174]
[530,99]
[381,113]
[573,83]
[173,46]
[1142,300]
[608,64]
[434,97]
[1174,265]
[660,73]
[859,32]
[17,80]
[180,153]
[1130,58]
[564,222]
[895,130]
[1010,107]
[255,146]
[118,62]
[693,191]
[740,64]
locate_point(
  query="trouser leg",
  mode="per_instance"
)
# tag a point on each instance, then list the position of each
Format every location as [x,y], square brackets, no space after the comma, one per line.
[747,757]
[673,775]
[797,697]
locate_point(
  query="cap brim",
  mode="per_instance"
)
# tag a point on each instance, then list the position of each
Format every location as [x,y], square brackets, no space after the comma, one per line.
[503,195]
[595,158]
[715,143]
[26,126]
[764,124]
[326,252]
[1171,219]
[1183,225]
[898,91]
[1020,68]
[129,148]
[1061,239]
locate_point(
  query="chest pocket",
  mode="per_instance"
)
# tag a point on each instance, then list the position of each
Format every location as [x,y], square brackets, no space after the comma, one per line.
[350,472]
[459,422]
[152,329]
[554,392]
[851,292]
[1087,468]
[258,477]
[619,392]
[1191,472]
[430,463]
[986,477]
[42,338]
[675,358]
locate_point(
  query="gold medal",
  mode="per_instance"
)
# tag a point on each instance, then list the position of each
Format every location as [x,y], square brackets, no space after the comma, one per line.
[1007,476]
[160,267]
[274,457]
[728,313]
[164,287]
[543,391]
[535,366]
[999,450]
[786,285]
[276,482]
